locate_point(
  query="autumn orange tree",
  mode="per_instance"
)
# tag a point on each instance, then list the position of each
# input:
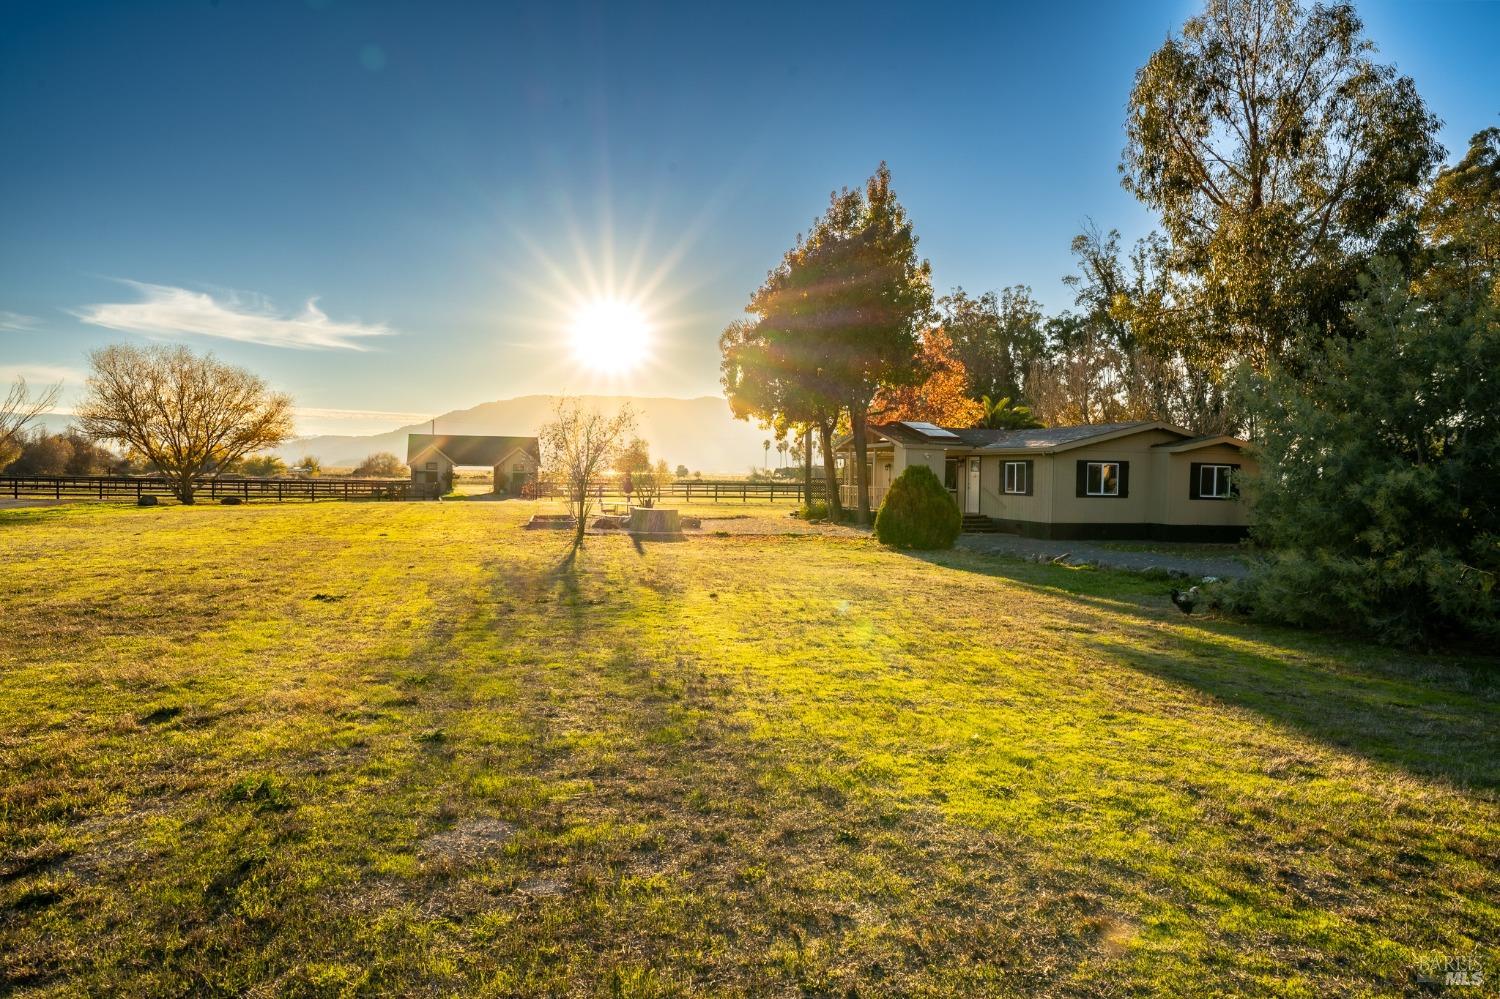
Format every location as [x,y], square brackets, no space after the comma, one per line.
[942,395]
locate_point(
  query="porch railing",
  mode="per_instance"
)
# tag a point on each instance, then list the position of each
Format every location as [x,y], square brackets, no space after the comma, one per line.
[849,496]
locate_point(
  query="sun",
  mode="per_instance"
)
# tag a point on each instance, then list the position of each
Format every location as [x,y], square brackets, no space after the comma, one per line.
[610,336]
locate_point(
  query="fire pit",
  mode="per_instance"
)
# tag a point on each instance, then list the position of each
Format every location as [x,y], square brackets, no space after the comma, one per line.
[550,522]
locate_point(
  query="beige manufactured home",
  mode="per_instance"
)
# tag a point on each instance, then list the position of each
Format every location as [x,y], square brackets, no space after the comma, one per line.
[1118,480]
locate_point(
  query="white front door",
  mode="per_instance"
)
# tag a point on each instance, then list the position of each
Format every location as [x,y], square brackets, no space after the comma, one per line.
[971,494]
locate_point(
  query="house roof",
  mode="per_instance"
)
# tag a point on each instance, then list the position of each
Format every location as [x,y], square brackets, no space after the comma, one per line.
[469,449]
[1207,440]
[1037,440]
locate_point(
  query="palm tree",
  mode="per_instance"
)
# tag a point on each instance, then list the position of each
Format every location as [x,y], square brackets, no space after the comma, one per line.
[766,446]
[999,414]
[782,446]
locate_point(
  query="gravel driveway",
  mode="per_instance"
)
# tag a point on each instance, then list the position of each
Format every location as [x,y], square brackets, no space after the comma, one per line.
[1226,566]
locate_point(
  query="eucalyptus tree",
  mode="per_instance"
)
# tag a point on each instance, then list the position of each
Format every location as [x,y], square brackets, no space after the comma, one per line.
[1461,221]
[1281,157]
[997,336]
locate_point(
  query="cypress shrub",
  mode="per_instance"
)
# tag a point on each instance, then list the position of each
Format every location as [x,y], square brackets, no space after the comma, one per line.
[1378,458]
[918,512]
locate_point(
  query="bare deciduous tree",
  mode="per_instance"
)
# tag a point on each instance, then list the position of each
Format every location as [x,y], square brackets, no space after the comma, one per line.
[577,447]
[189,415]
[18,409]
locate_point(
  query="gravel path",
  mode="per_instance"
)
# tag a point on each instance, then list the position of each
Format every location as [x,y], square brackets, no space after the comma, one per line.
[9,503]
[774,525]
[1194,564]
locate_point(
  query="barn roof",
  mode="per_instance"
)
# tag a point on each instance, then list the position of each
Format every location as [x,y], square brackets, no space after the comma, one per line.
[470,449]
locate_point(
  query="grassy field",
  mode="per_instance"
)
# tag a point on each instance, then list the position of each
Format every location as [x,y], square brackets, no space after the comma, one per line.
[410,749]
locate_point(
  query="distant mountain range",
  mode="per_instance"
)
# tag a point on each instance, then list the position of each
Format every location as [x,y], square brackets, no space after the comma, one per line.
[699,433]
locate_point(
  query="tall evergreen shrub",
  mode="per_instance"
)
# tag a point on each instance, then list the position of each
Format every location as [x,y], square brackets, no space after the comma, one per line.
[918,512]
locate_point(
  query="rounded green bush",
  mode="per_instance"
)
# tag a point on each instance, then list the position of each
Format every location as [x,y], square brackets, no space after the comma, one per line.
[918,512]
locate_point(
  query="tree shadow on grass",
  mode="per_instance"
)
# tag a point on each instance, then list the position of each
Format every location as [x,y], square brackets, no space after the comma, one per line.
[561,584]
[1410,722]
[651,816]
[1428,715]
[638,541]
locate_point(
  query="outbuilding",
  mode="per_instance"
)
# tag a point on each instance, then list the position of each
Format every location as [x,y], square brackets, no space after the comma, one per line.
[433,458]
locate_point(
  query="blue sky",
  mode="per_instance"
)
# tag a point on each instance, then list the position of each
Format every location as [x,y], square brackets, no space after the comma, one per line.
[444,182]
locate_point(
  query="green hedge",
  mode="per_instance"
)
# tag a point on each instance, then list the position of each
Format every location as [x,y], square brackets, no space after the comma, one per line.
[918,512]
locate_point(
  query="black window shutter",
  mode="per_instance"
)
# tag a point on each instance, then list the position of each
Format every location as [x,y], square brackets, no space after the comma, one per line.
[1029,464]
[1124,479]
[1083,478]
[1195,484]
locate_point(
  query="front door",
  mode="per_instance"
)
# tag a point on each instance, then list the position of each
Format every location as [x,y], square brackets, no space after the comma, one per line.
[971,494]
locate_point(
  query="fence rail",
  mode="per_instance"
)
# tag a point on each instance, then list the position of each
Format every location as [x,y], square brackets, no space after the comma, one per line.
[127,486]
[705,491]
[247,488]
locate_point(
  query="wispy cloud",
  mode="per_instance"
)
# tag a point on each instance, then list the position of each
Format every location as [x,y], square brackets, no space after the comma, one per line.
[165,311]
[42,374]
[314,413]
[15,322]
[40,377]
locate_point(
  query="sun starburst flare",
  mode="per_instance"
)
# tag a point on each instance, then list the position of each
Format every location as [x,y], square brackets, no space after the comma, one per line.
[610,336]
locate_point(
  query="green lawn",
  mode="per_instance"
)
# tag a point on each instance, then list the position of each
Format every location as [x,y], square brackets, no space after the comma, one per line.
[409,748]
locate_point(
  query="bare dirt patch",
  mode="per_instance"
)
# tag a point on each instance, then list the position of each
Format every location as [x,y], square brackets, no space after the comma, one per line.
[469,840]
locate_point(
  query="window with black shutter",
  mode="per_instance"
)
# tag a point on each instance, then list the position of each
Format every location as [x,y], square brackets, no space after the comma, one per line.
[1015,478]
[1104,479]
[1212,482]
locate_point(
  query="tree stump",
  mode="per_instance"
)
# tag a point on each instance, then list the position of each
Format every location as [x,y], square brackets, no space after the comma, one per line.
[653,520]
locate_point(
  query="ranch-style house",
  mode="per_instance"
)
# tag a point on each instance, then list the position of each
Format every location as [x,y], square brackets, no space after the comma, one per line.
[1145,479]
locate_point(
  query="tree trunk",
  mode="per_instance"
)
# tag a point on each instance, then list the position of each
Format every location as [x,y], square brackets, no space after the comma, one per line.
[580,514]
[185,489]
[830,473]
[807,466]
[857,419]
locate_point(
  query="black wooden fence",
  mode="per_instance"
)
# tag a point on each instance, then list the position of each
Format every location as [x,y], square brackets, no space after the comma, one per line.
[705,490]
[135,486]
[247,488]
